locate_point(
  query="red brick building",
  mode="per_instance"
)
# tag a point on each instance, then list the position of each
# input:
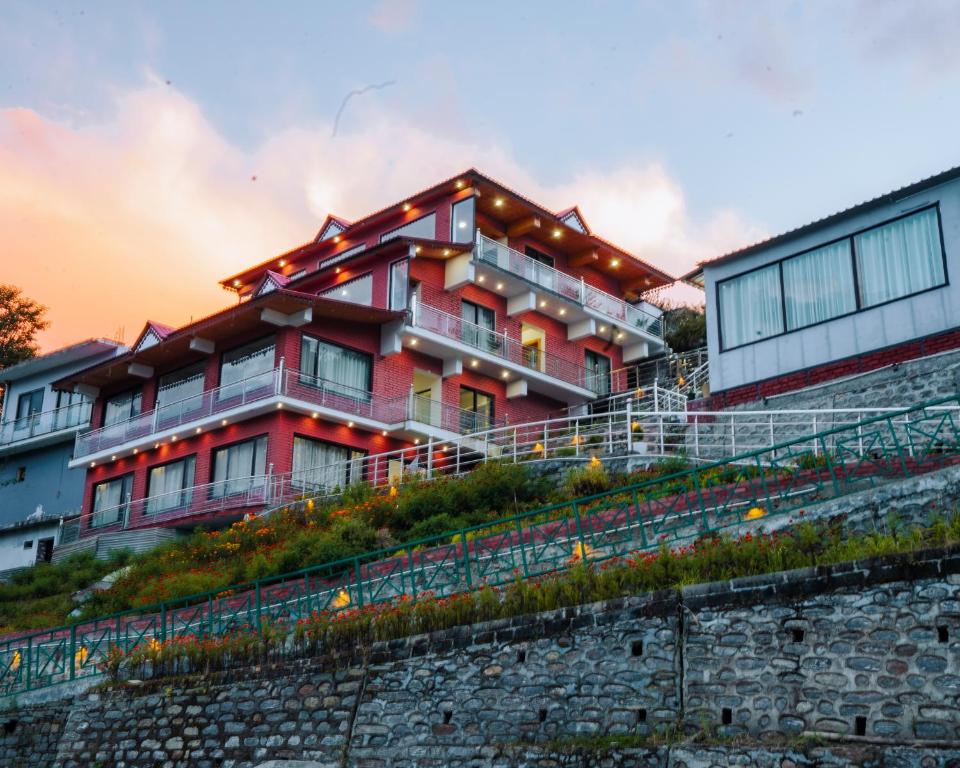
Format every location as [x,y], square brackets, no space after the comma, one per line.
[463,307]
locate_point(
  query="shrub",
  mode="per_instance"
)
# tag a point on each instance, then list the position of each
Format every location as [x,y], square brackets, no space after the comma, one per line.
[587,480]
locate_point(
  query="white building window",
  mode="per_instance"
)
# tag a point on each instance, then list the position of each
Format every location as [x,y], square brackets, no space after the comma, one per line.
[818,285]
[900,258]
[425,226]
[168,486]
[322,466]
[239,468]
[750,307]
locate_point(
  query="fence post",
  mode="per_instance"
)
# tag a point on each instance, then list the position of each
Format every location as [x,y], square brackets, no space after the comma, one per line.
[733,436]
[358,577]
[583,543]
[546,432]
[280,387]
[772,443]
[860,434]
[259,605]
[29,660]
[629,427]
[429,458]
[816,443]
[73,651]
[656,396]
[696,436]
[663,449]
[163,622]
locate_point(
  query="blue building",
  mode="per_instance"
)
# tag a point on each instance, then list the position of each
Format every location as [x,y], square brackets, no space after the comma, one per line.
[37,430]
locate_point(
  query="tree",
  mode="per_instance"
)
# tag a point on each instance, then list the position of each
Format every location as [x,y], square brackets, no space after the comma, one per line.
[684,328]
[21,318]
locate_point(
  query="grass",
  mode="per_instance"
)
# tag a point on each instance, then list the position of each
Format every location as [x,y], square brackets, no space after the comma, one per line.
[41,596]
[708,559]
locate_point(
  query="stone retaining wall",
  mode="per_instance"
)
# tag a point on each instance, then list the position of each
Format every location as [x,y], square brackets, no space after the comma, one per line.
[814,649]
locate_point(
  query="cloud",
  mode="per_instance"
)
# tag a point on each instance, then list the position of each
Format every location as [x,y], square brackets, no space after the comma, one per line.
[393,17]
[139,216]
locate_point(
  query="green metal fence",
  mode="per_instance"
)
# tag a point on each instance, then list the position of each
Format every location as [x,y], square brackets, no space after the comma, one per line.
[677,508]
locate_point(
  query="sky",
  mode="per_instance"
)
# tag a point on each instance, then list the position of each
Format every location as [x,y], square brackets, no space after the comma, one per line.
[148,150]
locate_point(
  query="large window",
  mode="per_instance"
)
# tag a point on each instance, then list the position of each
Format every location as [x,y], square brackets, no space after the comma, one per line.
[461,220]
[180,385]
[399,284]
[478,328]
[124,406]
[476,410]
[751,307]
[359,291]
[239,468]
[29,403]
[168,486]
[598,372]
[425,226]
[249,366]
[323,466]
[111,500]
[818,285]
[900,258]
[893,260]
[337,369]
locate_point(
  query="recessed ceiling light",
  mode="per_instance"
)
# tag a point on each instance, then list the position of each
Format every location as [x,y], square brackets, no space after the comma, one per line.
[283,262]
[279,405]
[136,451]
[336,238]
[614,262]
[543,302]
[337,270]
[93,463]
[418,249]
[474,363]
[236,283]
[603,328]
[459,183]
[417,441]
[384,433]
[481,278]
[556,233]
[173,438]
[462,225]
[505,374]
[563,311]
[446,251]
[223,422]
[199,430]
[499,286]
[406,206]
[315,414]
[349,423]
[498,202]
[156,445]
[413,342]
[620,335]
[113,458]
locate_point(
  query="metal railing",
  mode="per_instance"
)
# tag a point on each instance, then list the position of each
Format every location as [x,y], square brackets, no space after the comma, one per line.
[672,510]
[45,423]
[578,291]
[499,345]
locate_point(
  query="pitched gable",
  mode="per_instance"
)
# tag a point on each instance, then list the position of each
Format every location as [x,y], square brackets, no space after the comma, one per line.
[151,335]
[574,219]
[332,226]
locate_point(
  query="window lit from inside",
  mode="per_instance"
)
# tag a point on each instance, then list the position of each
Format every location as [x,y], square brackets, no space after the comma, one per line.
[320,466]
[335,369]
[239,468]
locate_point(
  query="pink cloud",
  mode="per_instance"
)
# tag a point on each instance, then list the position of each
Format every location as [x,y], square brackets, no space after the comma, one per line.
[139,216]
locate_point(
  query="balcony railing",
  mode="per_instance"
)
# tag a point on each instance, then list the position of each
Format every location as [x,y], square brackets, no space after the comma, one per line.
[260,390]
[501,346]
[44,423]
[544,277]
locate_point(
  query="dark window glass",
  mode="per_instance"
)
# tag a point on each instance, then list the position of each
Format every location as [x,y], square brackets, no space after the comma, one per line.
[124,406]
[335,368]
[111,500]
[598,372]
[479,326]
[29,403]
[476,410]
[425,227]
[461,220]
[239,468]
[168,486]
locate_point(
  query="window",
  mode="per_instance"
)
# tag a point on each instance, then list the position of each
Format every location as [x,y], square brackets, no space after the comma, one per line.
[539,256]
[111,500]
[399,284]
[239,468]
[818,285]
[425,226]
[751,307]
[168,486]
[181,385]
[358,291]
[598,372]
[900,258]
[461,220]
[246,367]
[343,255]
[121,407]
[476,410]
[335,368]
[28,544]
[21,474]
[29,403]
[66,399]
[323,466]
[478,328]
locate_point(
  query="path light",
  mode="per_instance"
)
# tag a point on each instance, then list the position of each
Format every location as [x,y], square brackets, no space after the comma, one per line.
[15,661]
[80,657]
[635,426]
[755,513]
[393,491]
[341,600]
[595,462]
[538,448]
[309,503]
[581,551]
[576,440]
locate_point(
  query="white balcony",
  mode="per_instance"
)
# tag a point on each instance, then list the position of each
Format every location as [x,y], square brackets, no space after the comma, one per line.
[403,416]
[465,345]
[44,428]
[587,311]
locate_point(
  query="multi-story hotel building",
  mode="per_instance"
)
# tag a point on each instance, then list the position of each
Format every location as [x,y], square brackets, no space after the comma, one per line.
[463,307]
